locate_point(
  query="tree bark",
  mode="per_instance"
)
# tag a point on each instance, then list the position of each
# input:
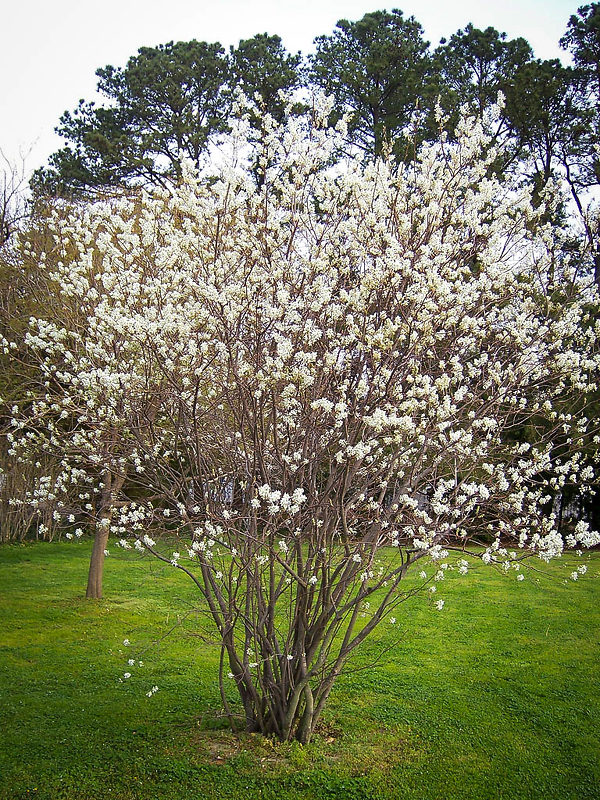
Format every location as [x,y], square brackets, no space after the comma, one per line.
[111,485]
[96,571]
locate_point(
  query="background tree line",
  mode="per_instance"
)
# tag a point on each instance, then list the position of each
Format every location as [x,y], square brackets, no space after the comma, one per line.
[175,99]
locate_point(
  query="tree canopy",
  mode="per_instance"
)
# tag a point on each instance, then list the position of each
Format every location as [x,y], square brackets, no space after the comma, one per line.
[475,65]
[377,68]
[167,104]
[261,68]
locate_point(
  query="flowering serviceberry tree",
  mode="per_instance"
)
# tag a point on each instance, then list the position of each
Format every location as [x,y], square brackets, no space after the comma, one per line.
[322,376]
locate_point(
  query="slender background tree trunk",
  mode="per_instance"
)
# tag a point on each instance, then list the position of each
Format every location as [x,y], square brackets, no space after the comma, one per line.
[111,485]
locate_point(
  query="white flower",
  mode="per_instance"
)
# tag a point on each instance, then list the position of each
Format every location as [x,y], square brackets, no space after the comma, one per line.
[127,674]
[126,642]
[313,579]
[439,605]
[520,577]
[264,491]
[131,662]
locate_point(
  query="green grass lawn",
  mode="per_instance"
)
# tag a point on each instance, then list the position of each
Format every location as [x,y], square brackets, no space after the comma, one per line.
[496,697]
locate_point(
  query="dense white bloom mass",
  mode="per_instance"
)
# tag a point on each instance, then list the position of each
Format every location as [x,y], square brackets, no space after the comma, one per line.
[319,377]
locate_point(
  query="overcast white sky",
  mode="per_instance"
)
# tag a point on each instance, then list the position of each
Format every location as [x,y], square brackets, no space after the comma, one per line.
[50,49]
